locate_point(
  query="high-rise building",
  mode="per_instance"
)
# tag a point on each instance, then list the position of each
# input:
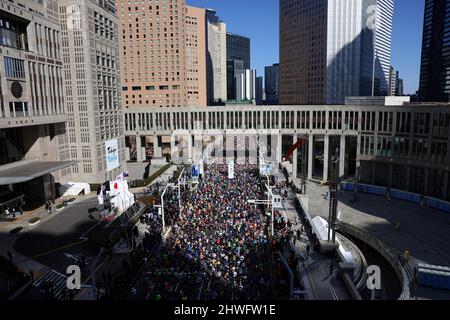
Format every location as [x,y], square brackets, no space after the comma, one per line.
[434,71]
[395,83]
[399,88]
[259,91]
[216,60]
[383,43]
[238,59]
[234,69]
[238,48]
[246,85]
[331,49]
[153,53]
[34,153]
[272,84]
[196,57]
[393,74]
[91,55]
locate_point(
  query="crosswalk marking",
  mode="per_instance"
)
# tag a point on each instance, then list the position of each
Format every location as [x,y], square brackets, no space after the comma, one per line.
[59,282]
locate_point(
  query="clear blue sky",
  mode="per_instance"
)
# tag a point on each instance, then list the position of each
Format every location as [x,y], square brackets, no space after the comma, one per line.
[258,19]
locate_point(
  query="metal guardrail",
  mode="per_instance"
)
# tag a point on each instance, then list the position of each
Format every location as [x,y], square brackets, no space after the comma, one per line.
[394,257]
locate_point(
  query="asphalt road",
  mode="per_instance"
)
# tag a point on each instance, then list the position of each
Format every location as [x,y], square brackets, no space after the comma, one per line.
[56,243]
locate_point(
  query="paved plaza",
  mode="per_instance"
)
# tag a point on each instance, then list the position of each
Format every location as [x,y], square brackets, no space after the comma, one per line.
[424,232]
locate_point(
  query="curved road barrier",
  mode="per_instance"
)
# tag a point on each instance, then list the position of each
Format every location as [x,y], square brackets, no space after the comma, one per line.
[394,258]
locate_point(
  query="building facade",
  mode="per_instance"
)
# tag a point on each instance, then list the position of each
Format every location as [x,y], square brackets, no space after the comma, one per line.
[34,153]
[216,58]
[393,76]
[234,69]
[238,59]
[238,48]
[399,90]
[333,49]
[272,84]
[153,53]
[383,43]
[382,141]
[196,57]
[259,91]
[246,86]
[91,55]
[395,83]
[434,71]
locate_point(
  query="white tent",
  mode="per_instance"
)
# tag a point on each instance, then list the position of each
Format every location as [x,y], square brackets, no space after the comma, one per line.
[121,198]
[72,189]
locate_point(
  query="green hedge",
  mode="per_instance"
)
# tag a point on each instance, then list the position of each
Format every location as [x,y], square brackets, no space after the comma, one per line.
[153,177]
[33,220]
[94,186]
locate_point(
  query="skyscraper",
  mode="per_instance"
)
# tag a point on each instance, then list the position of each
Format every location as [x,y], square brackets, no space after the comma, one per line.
[238,59]
[399,90]
[216,60]
[196,57]
[272,83]
[246,85]
[393,74]
[238,48]
[34,151]
[435,71]
[395,83]
[91,58]
[333,49]
[383,43]
[153,53]
[259,91]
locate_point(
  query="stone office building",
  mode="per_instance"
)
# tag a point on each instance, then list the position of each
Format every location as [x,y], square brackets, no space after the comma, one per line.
[34,152]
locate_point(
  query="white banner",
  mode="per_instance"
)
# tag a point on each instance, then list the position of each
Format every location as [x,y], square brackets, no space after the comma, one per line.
[112,155]
[231,170]
[121,199]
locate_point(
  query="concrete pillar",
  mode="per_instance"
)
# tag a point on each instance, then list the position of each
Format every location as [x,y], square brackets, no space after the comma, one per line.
[408,178]
[294,159]
[156,149]
[358,156]
[326,157]
[426,181]
[189,146]
[374,167]
[342,157]
[279,147]
[445,191]
[310,156]
[391,174]
[138,148]
[172,144]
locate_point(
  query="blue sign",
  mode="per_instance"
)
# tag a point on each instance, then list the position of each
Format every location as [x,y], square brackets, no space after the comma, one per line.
[195,171]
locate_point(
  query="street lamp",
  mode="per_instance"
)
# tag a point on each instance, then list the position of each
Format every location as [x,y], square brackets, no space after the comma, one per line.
[333,197]
[162,209]
[268,202]
[269,192]
[179,188]
[270,196]
[173,186]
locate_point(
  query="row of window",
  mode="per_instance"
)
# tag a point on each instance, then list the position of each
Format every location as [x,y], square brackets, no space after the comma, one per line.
[370,121]
[14,68]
